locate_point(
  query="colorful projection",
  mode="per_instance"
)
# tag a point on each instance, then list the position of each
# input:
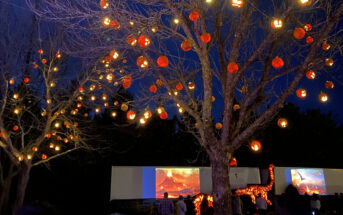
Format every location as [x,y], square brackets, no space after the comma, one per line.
[177,181]
[307,180]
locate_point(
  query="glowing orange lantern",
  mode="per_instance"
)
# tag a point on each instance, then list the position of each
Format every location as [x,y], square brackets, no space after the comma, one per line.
[15,128]
[44,156]
[309,39]
[143,41]
[142,62]
[11,81]
[162,61]
[191,85]
[236,107]
[282,123]
[35,65]
[104,4]
[159,82]
[219,126]
[329,84]
[237,3]
[308,27]
[276,23]
[26,80]
[153,88]
[179,86]
[131,115]
[131,40]
[193,16]
[58,55]
[232,67]
[329,62]
[323,97]
[301,93]
[299,33]
[305,2]
[114,54]
[44,61]
[127,81]
[310,74]
[115,24]
[233,162]
[277,63]
[106,21]
[124,107]
[81,89]
[255,145]
[147,114]
[40,51]
[205,37]
[164,115]
[186,45]
[326,46]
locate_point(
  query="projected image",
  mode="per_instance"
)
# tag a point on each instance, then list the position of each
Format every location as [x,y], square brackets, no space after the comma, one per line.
[177,181]
[309,181]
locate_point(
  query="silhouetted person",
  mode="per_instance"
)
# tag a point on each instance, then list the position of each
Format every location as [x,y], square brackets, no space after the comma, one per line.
[181,206]
[315,203]
[261,205]
[290,203]
[166,206]
[205,208]
[237,205]
[190,206]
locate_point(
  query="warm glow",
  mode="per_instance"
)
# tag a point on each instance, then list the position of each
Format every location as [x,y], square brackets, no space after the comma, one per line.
[106,21]
[181,110]
[276,23]
[282,123]
[55,69]
[114,114]
[154,29]
[208,1]
[237,3]
[176,21]
[29,157]
[142,121]
[16,96]
[93,98]
[255,145]
[97,110]
[51,145]
[16,110]
[160,110]
[114,54]
[191,85]
[323,97]
[131,23]
[169,174]
[305,2]
[57,124]
[147,114]
[301,93]
[57,148]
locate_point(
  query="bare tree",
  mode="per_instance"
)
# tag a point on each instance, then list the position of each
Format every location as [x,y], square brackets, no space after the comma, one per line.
[228,51]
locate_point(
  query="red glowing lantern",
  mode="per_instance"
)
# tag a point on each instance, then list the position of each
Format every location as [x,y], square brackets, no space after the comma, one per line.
[143,41]
[40,51]
[277,63]
[162,61]
[147,114]
[301,93]
[44,156]
[205,37]
[219,126]
[142,62]
[323,97]
[179,86]
[328,62]
[276,23]
[127,81]
[153,88]
[81,89]
[104,4]
[191,85]
[164,115]
[193,16]
[308,27]
[233,162]
[232,67]
[131,115]
[309,39]
[15,128]
[237,3]
[299,33]
[115,24]
[26,80]
[186,45]
[329,84]
[255,145]
[326,46]
[310,74]
[282,123]
[131,40]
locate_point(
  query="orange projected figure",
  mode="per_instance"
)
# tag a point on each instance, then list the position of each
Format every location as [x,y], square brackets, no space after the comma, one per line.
[198,200]
[254,190]
[177,181]
[309,181]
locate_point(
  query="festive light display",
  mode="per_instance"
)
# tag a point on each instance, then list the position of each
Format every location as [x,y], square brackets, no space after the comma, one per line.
[329,85]
[233,162]
[301,93]
[311,74]
[309,39]
[194,16]
[299,33]
[219,126]
[162,61]
[255,145]
[323,97]
[143,41]
[276,23]
[277,63]
[282,123]
[205,37]
[142,62]
[237,3]
[198,200]
[186,45]
[254,190]
[232,67]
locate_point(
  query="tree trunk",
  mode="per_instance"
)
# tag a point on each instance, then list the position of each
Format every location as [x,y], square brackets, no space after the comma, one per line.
[23,178]
[5,194]
[221,185]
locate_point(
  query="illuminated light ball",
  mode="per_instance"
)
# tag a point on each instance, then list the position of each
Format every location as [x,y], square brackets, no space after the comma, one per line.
[104,4]
[164,115]
[162,61]
[93,98]
[131,115]
[323,97]
[115,103]
[131,40]
[213,99]
[329,85]
[106,104]
[179,86]
[233,162]
[34,148]
[176,21]
[48,136]
[142,121]
[236,107]
[20,157]
[127,81]
[232,67]
[194,16]
[329,62]
[277,63]
[181,110]
[58,55]
[108,59]
[115,24]
[44,156]
[305,2]
[57,148]
[97,110]
[44,61]
[113,114]
[282,123]
[299,33]
[309,39]
[11,81]
[16,111]
[35,65]
[301,93]
[15,128]
[276,23]
[153,88]
[109,77]
[326,46]
[237,3]
[114,54]
[26,80]
[147,114]
[255,145]
[81,89]
[186,45]
[142,62]
[159,82]
[15,96]
[124,107]
[208,1]
[308,27]
[205,37]
[40,51]
[310,74]
[154,29]
[55,69]
[106,21]
[51,145]
[219,126]
[191,85]
[143,41]
[29,157]
[104,96]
